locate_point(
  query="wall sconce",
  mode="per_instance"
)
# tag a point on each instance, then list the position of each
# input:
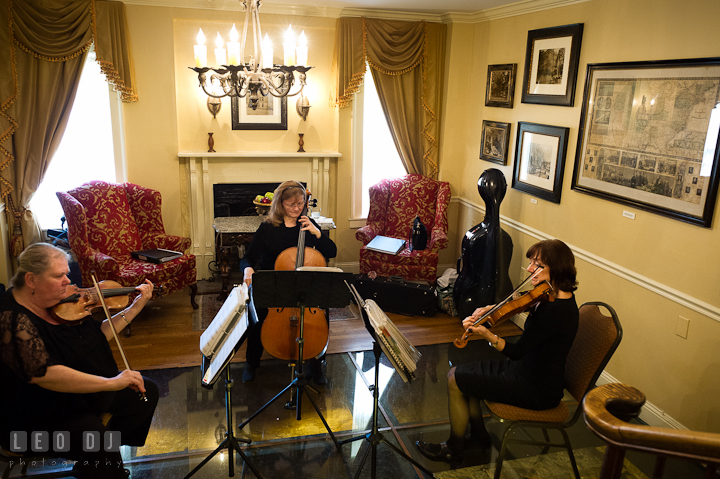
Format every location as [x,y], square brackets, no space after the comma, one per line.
[302,106]
[214,105]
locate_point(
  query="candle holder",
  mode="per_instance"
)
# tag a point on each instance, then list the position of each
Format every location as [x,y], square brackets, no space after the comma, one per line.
[301,142]
[211,143]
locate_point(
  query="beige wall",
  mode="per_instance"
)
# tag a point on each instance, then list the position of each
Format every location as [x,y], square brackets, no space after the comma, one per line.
[678,375]
[172,114]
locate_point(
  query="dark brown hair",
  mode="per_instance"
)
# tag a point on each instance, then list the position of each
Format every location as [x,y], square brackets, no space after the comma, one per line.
[560,259]
[286,190]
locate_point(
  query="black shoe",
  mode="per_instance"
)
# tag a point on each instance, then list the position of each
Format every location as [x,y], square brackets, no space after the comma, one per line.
[439,452]
[248,373]
[316,371]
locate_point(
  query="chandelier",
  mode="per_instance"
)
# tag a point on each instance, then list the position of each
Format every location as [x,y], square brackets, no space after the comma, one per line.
[259,76]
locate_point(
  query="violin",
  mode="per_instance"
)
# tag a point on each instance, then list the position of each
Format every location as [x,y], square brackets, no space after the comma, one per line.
[83,301]
[509,307]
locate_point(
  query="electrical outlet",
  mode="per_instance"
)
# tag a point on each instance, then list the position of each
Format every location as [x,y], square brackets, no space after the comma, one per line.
[682,327]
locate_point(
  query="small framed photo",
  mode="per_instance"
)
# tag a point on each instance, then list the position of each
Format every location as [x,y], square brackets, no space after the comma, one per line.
[540,160]
[500,88]
[551,65]
[495,141]
[270,114]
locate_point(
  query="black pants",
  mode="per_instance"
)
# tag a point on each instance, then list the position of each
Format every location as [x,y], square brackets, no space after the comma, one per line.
[131,416]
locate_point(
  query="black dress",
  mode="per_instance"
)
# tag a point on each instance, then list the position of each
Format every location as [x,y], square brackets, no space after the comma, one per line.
[267,244]
[533,375]
[28,346]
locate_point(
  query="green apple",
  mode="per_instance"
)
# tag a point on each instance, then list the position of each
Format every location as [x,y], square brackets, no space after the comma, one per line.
[269,195]
[259,198]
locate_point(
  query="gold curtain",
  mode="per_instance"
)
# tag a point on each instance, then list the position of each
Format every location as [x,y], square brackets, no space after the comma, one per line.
[42,51]
[406,60]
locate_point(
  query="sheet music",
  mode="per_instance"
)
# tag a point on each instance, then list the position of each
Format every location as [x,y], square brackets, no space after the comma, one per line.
[394,344]
[224,322]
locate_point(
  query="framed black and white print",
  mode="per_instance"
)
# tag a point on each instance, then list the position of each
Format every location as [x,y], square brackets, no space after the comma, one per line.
[551,65]
[648,136]
[500,88]
[540,153]
[270,114]
[495,141]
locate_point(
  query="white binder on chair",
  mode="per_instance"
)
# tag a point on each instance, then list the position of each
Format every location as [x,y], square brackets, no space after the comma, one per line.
[384,244]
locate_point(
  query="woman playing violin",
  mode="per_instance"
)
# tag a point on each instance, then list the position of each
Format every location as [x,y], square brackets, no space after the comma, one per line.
[278,232]
[61,376]
[531,375]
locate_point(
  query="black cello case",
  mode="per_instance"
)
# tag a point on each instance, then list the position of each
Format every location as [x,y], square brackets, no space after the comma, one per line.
[483,276]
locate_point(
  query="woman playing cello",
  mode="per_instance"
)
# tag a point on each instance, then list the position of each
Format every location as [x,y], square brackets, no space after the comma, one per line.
[285,221]
[60,376]
[531,376]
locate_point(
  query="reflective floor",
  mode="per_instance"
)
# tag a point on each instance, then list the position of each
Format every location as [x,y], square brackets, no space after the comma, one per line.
[190,423]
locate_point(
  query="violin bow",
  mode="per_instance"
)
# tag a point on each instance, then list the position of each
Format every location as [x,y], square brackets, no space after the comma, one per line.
[510,296]
[112,327]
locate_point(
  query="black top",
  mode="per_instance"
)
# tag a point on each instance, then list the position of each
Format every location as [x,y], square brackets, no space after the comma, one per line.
[29,345]
[269,241]
[539,355]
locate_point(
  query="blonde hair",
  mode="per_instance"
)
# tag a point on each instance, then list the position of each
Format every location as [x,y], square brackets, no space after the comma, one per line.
[36,259]
[286,191]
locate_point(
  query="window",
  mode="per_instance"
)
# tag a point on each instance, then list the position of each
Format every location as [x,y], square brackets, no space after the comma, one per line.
[86,151]
[374,151]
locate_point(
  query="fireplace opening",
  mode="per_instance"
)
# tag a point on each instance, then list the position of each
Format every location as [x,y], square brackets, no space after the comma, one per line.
[236,199]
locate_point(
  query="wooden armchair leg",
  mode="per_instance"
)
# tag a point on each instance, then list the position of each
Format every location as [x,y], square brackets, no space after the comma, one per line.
[193,292]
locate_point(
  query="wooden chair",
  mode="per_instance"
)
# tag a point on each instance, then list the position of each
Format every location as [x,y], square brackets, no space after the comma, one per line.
[607,410]
[597,339]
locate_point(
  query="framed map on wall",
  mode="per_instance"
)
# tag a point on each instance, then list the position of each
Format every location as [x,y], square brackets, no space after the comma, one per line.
[648,136]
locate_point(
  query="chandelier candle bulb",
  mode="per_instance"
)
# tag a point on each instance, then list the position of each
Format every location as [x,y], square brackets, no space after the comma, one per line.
[267,52]
[220,56]
[233,47]
[289,47]
[302,50]
[200,51]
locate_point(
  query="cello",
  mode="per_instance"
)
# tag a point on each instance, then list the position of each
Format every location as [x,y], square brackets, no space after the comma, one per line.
[486,252]
[281,328]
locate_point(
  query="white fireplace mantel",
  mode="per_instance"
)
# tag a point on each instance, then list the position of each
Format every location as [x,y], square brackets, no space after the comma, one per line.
[206,169]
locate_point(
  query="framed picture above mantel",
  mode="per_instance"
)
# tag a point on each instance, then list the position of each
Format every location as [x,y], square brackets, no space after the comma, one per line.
[648,136]
[270,114]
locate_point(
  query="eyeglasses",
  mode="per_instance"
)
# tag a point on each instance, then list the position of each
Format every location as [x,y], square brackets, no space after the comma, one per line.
[536,264]
[294,206]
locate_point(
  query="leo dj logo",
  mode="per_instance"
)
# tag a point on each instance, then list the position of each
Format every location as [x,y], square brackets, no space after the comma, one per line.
[40,441]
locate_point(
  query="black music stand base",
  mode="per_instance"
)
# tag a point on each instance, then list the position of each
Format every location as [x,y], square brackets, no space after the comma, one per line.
[231,442]
[375,437]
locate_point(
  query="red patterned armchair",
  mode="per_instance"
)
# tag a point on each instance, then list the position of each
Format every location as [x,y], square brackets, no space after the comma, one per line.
[393,206]
[108,221]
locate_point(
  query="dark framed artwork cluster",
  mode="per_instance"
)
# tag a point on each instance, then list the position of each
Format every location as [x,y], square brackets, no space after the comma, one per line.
[649,134]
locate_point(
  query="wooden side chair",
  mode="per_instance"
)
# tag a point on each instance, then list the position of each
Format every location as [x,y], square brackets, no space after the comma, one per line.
[597,339]
[608,410]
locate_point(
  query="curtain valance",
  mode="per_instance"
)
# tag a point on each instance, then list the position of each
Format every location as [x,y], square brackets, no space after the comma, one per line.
[407,59]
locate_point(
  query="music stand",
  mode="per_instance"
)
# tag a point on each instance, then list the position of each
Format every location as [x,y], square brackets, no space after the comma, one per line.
[210,371]
[375,437]
[302,289]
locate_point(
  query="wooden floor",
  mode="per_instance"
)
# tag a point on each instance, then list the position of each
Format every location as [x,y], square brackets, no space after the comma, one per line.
[163,335]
